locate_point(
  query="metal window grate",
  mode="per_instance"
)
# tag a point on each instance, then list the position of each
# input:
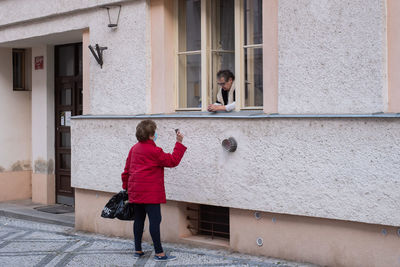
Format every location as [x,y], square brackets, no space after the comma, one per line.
[210,220]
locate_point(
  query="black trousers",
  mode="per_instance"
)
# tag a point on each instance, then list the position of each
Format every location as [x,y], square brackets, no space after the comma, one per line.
[154,213]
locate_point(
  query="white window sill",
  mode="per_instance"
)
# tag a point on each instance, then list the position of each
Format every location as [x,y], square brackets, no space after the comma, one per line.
[244,114]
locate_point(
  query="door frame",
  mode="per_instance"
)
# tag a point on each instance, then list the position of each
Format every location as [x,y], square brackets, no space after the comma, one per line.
[67,198]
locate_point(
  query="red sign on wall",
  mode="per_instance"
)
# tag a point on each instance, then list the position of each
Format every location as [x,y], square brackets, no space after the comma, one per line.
[39,63]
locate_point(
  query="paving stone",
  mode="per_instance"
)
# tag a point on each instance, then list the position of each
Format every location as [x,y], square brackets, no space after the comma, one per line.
[26,243]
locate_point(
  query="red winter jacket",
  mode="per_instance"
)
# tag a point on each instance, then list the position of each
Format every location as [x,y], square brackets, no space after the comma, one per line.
[144,171]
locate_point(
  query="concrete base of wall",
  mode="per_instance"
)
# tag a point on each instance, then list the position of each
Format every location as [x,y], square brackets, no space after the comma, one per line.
[43,188]
[15,185]
[88,207]
[298,238]
[320,241]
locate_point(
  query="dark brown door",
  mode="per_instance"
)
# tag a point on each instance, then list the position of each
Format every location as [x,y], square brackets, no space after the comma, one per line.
[68,103]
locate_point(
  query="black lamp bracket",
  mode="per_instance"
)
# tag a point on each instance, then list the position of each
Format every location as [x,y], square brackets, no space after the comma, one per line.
[98,53]
[108,7]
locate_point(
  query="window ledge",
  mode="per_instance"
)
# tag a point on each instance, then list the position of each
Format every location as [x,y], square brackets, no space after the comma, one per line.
[236,115]
[207,241]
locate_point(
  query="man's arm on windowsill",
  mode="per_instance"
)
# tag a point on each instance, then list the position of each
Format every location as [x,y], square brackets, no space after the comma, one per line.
[219,107]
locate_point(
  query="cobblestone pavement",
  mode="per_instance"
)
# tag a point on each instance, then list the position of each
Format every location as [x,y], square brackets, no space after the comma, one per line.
[26,243]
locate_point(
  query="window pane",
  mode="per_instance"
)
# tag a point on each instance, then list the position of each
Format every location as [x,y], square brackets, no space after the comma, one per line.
[65,139]
[65,161]
[253,22]
[66,61]
[189,25]
[18,70]
[253,77]
[190,81]
[66,96]
[223,39]
[223,24]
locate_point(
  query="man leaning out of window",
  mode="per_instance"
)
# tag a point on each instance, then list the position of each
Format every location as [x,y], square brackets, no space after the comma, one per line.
[226,92]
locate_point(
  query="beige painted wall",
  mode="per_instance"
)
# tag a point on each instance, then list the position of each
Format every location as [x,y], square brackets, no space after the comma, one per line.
[15,120]
[15,185]
[89,204]
[270,56]
[162,56]
[43,127]
[393,35]
[43,188]
[88,207]
[320,241]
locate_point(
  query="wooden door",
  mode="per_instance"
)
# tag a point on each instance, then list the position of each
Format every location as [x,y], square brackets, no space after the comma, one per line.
[68,103]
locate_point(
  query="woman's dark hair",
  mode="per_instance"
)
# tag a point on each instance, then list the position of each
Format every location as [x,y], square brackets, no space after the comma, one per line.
[226,74]
[145,129]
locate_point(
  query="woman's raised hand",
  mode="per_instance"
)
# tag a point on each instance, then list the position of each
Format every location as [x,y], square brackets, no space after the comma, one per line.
[179,137]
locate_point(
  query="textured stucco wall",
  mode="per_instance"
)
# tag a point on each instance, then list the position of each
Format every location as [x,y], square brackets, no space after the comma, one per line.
[344,169]
[15,11]
[332,56]
[121,86]
[15,120]
[332,53]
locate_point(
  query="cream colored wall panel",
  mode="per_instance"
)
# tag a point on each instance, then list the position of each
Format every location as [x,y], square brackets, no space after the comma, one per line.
[15,119]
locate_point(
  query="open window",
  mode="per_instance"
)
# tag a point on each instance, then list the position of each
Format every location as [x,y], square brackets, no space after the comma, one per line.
[214,35]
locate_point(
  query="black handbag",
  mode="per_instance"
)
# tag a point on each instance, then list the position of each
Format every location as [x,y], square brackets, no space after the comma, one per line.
[119,207]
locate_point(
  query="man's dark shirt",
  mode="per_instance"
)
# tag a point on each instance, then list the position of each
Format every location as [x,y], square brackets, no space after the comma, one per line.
[225,95]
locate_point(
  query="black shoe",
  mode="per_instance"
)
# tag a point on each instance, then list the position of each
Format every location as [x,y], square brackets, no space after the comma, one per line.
[138,255]
[164,258]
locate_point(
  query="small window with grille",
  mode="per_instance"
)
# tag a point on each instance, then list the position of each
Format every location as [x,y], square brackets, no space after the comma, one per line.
[209,221]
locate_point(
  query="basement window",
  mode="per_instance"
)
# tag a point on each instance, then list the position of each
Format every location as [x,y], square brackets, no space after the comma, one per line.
[209,220]
[18,61]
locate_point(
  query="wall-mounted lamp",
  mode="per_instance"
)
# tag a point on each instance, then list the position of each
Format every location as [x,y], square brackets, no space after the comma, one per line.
[114,22]
[229,144]
[98,53]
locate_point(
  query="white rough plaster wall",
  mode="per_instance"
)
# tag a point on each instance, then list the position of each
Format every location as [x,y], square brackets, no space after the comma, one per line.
[15,119]
[120,86]
[15,11]
[332,56]
[345,169]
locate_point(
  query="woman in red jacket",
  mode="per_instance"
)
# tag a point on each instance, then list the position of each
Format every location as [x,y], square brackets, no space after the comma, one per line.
[143,177]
